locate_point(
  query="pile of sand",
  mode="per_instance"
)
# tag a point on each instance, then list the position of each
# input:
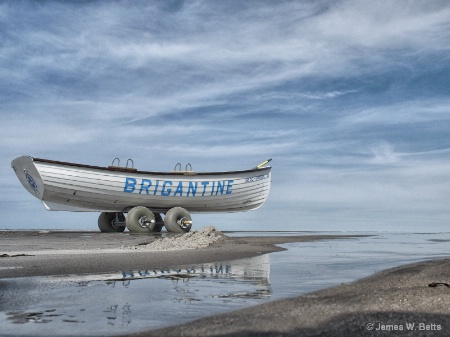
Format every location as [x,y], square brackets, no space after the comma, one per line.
[191,240]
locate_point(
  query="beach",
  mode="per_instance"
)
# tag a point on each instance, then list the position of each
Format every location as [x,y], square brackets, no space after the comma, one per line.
[45,253]
[410,300]
[397,302]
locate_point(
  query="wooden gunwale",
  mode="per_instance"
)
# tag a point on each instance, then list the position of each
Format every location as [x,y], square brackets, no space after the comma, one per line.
[134,170]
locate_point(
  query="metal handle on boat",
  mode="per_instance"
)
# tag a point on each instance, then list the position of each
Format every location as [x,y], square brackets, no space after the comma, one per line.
[114,160]
[175,168]
[188,165]
[132,163]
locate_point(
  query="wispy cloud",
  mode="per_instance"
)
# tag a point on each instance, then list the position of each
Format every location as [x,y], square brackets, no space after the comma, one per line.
[331,90]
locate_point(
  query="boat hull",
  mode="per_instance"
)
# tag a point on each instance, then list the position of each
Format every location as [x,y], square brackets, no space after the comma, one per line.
[73,187]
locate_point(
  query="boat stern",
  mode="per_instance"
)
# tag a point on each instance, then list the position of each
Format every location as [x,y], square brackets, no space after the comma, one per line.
[29,176]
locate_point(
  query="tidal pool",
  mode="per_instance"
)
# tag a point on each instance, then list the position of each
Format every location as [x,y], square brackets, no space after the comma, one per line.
[135,300]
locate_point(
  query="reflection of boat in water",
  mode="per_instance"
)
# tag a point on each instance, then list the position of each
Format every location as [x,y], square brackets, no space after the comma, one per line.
[256,268]
[254,271]
[143,195]
[132,301]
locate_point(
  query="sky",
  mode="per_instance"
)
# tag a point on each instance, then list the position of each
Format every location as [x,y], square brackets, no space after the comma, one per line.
[351,99]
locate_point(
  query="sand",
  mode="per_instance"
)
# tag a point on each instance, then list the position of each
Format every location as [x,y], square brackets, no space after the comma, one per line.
[45,253]
[206,237]
[412,300]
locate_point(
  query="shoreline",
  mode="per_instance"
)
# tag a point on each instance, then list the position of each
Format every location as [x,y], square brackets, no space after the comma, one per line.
[397,301]
[36,253]
[410,300]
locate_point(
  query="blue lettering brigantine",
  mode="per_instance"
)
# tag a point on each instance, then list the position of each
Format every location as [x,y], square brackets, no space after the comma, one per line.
[169,188]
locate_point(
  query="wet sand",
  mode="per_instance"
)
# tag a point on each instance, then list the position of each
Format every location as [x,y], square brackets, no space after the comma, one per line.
[32,253]
[396,302]
[412,300]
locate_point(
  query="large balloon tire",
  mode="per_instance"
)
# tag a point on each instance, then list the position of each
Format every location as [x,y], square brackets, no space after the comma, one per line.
[171,218]
[106,224]
[133,219]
